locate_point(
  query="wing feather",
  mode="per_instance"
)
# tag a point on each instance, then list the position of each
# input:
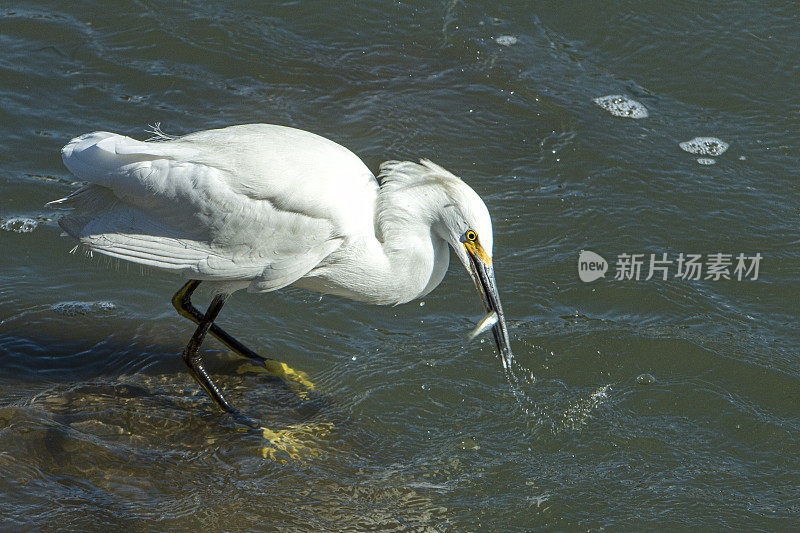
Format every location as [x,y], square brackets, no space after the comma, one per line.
[230,205]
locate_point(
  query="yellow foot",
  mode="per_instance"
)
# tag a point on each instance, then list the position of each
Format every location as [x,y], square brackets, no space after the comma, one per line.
[295,379]
[295,442]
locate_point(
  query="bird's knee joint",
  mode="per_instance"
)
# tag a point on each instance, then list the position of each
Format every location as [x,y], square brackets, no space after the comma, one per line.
[177,303]
[182,302]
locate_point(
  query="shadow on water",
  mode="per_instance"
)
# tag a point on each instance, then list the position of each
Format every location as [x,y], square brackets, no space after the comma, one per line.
[100,430]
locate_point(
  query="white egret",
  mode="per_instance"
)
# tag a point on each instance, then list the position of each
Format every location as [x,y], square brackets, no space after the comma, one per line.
[262,207]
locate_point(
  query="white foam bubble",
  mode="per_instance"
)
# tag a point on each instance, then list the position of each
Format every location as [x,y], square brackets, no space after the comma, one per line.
[506,40]
[704,146]
[622,106]
[83,308]
[19,224]
[706,160]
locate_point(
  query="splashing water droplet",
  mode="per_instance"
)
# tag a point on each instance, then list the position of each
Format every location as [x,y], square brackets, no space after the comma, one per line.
[645,379]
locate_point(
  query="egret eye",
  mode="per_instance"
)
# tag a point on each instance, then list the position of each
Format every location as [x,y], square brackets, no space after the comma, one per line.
[470,235]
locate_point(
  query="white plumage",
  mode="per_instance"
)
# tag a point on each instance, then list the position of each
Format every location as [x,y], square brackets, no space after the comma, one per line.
[261,207]
[264,206]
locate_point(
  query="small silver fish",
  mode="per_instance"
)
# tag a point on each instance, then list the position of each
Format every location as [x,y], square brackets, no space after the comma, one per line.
[484,325]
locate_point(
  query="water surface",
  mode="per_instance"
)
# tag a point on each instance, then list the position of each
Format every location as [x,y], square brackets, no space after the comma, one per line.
[631,404]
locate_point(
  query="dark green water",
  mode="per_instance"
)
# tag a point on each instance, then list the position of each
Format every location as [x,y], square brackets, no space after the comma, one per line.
[655,404]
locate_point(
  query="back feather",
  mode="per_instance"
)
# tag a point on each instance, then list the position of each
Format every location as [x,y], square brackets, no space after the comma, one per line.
[157,204]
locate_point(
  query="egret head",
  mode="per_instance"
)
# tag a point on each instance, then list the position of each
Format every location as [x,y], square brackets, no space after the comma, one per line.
[455,213]
[468,228]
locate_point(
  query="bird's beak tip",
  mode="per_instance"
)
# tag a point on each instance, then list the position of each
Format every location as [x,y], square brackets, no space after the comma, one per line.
[483,274]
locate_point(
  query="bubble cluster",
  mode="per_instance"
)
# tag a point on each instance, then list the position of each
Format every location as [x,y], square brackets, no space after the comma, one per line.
[82,308]
[506,40]
[622,106]
[704,146]
[19,225]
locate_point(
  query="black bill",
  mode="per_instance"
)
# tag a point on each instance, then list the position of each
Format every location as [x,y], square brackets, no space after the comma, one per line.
[483,274]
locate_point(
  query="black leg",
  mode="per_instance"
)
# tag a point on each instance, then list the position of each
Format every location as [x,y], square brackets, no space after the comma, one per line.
[289,442]
[195,363]
[183,304]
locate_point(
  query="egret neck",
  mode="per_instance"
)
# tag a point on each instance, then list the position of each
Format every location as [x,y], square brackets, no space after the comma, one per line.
[405,257]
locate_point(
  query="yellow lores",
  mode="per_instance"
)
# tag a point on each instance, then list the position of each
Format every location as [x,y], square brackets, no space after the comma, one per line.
[473,246]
